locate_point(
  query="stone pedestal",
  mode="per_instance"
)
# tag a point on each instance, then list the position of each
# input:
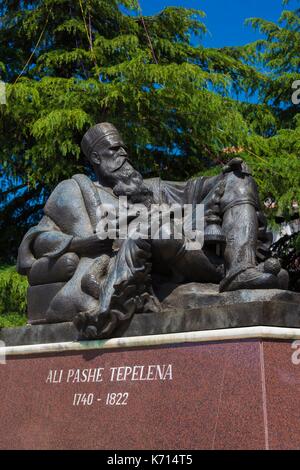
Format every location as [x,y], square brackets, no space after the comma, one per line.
[225,389]
[186,308]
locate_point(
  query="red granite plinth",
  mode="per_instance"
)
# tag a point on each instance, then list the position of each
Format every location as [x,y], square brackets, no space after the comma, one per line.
[242,394]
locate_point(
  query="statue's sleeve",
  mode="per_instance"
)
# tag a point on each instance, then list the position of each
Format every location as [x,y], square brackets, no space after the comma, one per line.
[45,239]
[51,243]
[65,217]
[198,188]
[66,207]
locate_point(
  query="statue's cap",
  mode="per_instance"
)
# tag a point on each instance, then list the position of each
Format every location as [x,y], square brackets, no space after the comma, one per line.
[97,135]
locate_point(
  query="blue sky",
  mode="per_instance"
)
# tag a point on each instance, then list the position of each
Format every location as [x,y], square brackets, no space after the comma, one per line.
[225,18]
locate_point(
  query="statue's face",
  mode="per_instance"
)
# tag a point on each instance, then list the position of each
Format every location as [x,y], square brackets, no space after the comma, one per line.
[112,156]
[114,168]
[113,164]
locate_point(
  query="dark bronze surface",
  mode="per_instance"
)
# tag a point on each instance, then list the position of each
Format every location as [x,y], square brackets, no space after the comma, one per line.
[104,284]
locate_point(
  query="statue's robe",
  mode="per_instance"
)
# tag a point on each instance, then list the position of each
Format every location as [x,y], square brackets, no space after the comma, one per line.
[71,211]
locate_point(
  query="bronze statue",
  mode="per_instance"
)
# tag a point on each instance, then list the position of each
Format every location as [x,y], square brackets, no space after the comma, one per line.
[99,284]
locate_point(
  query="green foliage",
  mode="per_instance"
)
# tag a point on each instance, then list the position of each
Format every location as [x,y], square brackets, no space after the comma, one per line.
[169,99]
[277,147]
[278,55]
[13,288]
[276,166]
[172,101]
[12,320]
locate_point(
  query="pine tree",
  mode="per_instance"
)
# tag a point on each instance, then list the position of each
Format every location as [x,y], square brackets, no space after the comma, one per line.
[278,153]
[278,54]
[93,61]
[172,101]
[273,150]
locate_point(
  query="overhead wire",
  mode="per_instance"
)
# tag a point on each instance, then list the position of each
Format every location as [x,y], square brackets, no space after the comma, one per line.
[88,30]
[146,31]
[34,50]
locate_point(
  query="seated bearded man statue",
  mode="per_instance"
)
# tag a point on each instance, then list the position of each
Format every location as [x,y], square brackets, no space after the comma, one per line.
[99,283]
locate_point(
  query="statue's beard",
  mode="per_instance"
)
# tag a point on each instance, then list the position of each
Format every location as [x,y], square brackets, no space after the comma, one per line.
[133,187]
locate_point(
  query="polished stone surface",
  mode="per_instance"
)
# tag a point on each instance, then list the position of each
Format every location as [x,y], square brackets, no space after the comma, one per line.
[241,394]
[283,395]
[206,310]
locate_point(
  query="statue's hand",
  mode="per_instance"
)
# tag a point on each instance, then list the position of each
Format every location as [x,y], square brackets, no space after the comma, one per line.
[236,164]
[90,245]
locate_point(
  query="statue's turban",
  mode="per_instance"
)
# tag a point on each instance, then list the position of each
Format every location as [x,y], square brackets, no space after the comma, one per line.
[98,136]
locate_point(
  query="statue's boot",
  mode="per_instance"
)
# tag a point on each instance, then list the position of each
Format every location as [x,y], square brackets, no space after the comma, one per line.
[240,225]
[251,278]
